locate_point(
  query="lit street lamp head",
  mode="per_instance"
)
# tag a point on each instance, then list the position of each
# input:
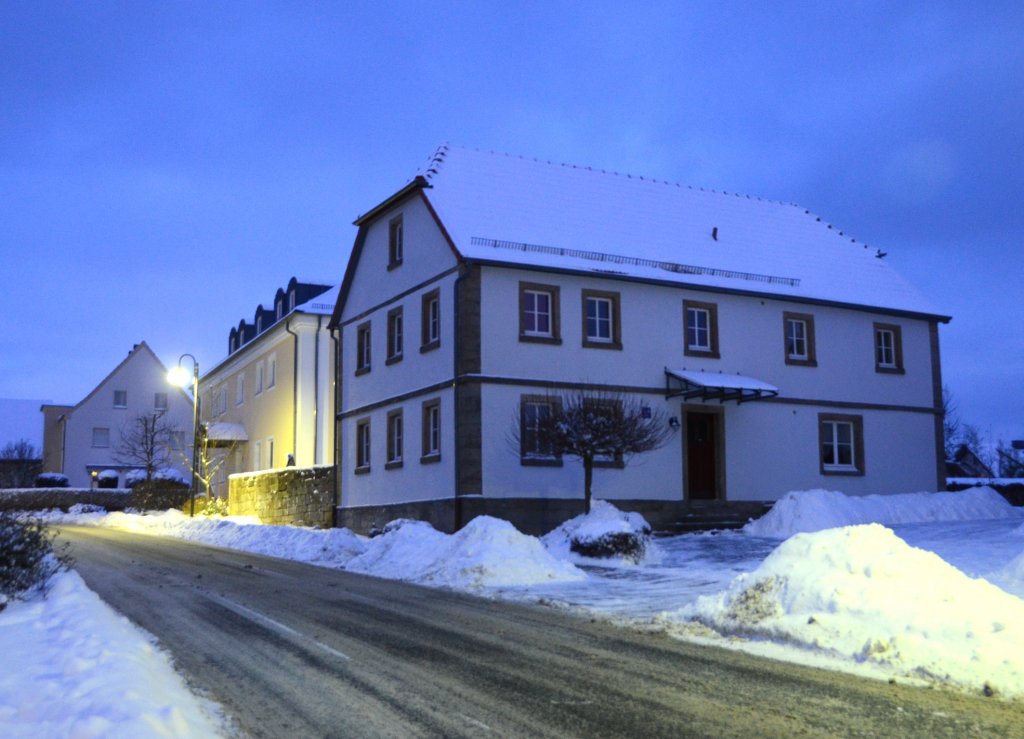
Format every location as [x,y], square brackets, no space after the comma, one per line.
[179,376]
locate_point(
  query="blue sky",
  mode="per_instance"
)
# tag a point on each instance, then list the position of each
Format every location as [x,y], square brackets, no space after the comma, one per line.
[165,167]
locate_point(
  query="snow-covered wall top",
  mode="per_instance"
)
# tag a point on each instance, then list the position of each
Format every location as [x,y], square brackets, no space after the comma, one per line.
[490,202]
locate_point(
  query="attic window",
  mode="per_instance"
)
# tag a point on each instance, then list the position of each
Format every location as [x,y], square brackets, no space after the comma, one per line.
[120,398]
[396,242]
[291,300]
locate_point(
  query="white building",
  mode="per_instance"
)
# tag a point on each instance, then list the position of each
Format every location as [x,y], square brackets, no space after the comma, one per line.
[86,438]
[787,355]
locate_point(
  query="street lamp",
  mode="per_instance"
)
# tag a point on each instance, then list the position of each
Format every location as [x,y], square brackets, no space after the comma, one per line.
[180,376]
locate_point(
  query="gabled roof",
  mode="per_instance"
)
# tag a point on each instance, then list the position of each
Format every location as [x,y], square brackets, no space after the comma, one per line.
[142,348]
[506,209]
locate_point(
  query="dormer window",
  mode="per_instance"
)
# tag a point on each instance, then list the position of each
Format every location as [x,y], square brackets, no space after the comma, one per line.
[259,323]
[291,300]
[280,309]
[395,242]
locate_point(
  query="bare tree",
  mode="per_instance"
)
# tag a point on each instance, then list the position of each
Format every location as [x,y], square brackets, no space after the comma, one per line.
[592,426]
[146,442]
[950,422]
[21,463]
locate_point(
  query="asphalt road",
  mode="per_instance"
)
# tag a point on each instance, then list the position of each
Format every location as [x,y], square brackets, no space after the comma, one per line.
[292,650]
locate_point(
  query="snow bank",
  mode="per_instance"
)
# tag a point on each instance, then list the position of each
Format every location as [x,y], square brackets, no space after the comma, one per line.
[329,547]
[1011,577]
[604,527]
[861,592]
[486,552]
[73,667]
[815,510]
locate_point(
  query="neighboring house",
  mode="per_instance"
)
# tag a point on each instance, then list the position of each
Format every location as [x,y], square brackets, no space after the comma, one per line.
[966,463]
[85,438]
[785,354]
[272,396]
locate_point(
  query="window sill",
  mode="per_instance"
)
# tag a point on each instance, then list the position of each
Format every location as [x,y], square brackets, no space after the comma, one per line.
[393,360]
[614,345]
[708,354]
[540,462]
[843,472]
[792,362]
[394,465]
[361,470]
[362,371]
[430,458]
[529,339]
[430,347]
[890,370]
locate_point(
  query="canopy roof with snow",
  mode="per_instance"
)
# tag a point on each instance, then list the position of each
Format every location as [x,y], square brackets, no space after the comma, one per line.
[500,208]
[715,386]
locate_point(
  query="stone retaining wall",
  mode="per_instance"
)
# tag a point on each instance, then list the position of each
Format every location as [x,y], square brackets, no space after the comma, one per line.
[303,496]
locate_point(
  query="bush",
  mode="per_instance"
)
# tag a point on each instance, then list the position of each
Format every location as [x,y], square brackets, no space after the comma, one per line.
[28,558]
[158,495]
[212,506]
[631,545]
[51,480]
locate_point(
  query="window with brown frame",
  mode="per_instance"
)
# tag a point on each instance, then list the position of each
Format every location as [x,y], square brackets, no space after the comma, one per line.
[888,348]
[430,321]
[362,446]
[700,337]
[601,320]
[431,426]
[395,332]
[841,444]
[539,313]
[396,242]
[533,409]
[395,437]
[363,348]
[799,339]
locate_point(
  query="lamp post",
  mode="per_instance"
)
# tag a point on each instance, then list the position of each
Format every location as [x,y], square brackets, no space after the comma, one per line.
[179,376]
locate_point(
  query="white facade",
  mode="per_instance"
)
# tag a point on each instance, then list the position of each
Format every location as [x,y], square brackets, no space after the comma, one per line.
[87,437]
[844,417]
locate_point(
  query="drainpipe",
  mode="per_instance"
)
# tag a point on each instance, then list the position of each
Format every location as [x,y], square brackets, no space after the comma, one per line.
[295,389]
[335,339]
[316,387]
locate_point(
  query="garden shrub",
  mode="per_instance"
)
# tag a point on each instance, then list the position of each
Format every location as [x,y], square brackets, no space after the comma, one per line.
[51,480]
[28,557]
[158,495]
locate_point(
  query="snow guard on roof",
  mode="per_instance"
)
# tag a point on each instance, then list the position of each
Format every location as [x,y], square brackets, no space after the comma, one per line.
[715,386]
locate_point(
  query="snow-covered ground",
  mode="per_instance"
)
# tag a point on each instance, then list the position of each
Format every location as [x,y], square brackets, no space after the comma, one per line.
[919,587]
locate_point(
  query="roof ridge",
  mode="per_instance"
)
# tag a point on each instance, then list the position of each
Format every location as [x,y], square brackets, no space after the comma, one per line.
[439,155]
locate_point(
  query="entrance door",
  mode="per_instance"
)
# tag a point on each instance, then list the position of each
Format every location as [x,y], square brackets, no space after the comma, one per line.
[702,461]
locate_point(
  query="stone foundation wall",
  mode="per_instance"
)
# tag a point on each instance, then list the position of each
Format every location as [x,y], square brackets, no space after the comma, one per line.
[538,516]
[302,496]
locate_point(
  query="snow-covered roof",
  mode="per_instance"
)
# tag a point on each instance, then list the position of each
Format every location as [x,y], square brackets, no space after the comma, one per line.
[223,431]
[503,208]
[322,304]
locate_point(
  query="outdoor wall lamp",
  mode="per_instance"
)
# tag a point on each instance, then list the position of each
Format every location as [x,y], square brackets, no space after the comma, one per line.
[673,423]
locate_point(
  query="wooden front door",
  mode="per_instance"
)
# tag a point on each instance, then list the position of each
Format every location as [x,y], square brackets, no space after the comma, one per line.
[702,463]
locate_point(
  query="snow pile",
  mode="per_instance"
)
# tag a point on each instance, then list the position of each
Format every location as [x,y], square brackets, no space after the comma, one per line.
[1011,577]
[486,552]
[73,667]
[329,547]
[816,510]
[861,592]
[605,534]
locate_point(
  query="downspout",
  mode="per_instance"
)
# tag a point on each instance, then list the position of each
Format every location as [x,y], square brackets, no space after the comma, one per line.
[316,387]
[337,425]
[295,389]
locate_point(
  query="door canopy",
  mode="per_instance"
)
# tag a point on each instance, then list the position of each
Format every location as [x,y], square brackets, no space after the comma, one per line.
[705,386]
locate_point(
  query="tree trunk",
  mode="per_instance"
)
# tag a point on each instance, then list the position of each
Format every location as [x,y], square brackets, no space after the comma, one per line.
[588,477]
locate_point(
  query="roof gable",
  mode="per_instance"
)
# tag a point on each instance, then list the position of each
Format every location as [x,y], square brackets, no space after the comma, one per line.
[139,352]
[506,209]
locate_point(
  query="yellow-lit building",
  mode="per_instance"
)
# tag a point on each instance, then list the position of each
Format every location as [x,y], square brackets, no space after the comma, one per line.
[269,403]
